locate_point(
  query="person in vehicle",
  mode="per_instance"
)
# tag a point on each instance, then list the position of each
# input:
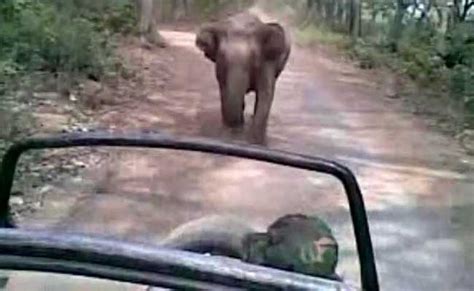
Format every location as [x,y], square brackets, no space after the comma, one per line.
[294,242]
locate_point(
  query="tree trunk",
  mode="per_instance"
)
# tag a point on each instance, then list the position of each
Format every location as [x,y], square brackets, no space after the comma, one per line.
[397,26]
[311,12]
[174,10]
[148,11]
[340,14]
[355,19]
[186,8]
[318,6]
[330,8]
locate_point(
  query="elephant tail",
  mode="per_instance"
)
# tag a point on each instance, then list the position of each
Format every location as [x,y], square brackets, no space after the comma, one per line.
[216,235]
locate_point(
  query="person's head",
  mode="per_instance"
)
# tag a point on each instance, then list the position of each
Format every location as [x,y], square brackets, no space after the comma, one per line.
[297,243]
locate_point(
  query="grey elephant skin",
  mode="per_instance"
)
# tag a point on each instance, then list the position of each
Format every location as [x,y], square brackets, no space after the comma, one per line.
[249,56]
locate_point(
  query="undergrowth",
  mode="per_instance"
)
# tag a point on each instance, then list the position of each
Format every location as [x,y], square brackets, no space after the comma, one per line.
[55,37]
[445,74]
[431,46]
[311,35]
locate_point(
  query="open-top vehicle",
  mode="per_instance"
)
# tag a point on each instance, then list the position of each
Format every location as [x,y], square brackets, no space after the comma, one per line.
[158,266]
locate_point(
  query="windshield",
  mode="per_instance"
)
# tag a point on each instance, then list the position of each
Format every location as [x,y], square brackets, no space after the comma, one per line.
[383,87]
[179,199]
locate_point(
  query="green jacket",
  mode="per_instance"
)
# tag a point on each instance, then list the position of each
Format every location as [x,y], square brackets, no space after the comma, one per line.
[297,243]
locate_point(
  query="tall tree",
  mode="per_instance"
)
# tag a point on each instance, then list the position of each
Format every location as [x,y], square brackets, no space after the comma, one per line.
[462,8]
[148,12]
[397,26]
[355,18]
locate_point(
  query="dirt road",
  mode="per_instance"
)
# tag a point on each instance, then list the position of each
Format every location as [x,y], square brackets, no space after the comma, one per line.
[417,183]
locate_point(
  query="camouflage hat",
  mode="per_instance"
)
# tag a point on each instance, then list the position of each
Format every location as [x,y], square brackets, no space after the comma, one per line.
[297,243]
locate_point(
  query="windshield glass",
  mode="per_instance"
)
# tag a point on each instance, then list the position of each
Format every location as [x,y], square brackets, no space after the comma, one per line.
[384,87]
[167,196]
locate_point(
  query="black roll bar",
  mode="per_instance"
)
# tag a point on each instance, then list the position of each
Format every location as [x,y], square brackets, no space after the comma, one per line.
[153,140]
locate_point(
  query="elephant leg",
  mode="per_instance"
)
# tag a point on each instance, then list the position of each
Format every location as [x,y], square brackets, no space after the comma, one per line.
[233,87]
[263,104]
[232,111]
[256,106]
[282,64]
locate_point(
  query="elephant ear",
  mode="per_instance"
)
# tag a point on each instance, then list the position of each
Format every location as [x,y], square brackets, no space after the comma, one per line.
[272,36]
[207,40]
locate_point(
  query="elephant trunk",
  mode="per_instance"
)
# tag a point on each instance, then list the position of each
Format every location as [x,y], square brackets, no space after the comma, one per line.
[233,96]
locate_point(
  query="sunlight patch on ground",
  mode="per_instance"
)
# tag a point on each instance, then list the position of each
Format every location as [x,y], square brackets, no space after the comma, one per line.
[181,39]
[119,121]
[156,97]
[292,75]
[426,259]
[409,170]
[240,170]
[51,122]
[335,66]
[150,119]
[338,136]
[356,81]
[384,189]
[274,190]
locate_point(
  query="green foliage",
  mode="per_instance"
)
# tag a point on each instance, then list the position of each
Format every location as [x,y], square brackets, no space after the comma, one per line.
[312,35]
[418,54]
[461,85]
[60,35]
[200,9]
[116,16]
[368,55]
[460,46]
[430,41]
[206,8]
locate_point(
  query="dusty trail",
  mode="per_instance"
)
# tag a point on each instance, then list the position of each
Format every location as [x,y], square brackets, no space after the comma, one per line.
[412,178]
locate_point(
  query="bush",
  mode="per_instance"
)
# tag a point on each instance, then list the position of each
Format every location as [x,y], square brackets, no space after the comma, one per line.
[312,35]
[369,55]
[207,8]
[201,10]
[433,49]
[60,36]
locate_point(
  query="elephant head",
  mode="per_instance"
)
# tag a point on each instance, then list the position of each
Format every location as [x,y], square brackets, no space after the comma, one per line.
[249,55]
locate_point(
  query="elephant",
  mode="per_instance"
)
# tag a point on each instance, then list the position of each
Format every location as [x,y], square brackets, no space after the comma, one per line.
[249,56]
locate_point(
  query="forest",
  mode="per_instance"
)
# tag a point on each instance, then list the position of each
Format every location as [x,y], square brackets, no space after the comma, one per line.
[431,42]
[383,87]
[53,45]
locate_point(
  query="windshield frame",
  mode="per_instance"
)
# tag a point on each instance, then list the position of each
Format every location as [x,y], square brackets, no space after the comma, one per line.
[358,214]
[144,264]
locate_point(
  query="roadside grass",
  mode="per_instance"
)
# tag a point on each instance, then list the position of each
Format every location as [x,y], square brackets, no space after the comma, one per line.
[312,35]
[422,84]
